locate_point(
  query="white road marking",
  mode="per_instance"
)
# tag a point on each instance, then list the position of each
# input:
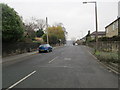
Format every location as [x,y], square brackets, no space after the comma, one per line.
[54,66]
[21,80]
[67,59]
[92,55]
[65,66]
[52,60]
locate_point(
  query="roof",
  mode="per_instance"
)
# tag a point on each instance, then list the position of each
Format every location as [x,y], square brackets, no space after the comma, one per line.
[99,33]
[38,39]
[112,22]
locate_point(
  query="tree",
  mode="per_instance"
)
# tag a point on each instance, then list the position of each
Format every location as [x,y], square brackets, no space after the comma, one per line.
[63,29]
[56,35]
[53,39]
[44,37]
[12,25]
[29,31]
[39,33]
[40,23]
[35,24]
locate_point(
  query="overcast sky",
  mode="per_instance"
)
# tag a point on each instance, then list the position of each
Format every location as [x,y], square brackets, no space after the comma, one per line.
[76,17]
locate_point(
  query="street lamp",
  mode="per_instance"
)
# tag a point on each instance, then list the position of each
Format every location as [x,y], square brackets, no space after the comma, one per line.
[96,36]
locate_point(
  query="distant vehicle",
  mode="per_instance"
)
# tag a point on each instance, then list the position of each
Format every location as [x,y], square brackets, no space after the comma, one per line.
[76,44]
[45,48]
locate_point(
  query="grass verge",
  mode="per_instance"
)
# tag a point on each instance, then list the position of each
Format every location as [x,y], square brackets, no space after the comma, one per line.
[108,57]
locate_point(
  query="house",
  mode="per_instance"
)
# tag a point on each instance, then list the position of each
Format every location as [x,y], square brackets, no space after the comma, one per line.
[112,29]
[83,39]
[38,39]
[100,34]
[92,36]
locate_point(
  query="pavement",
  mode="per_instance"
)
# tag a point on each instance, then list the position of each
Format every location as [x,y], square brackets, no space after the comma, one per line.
[65,67]
[11,58]
[15,57]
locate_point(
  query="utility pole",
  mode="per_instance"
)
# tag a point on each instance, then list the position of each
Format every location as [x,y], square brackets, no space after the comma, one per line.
[96,27]
[47,30]
[96,35]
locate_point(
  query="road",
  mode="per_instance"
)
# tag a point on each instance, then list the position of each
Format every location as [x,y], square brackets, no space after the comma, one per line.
[65,67]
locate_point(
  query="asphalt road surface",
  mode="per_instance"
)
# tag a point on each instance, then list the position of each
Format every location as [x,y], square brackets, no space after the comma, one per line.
[65,67]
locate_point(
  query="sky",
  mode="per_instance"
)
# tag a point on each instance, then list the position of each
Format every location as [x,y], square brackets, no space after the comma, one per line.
[76,17]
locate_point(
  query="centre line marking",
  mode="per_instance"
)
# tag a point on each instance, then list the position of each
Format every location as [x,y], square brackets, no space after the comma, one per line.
[52,59]
[21,80]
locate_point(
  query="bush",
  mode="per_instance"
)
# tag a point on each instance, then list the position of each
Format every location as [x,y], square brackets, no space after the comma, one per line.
[107,57]
[39,33]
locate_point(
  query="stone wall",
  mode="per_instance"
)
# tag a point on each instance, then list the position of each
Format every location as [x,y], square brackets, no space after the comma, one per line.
[9,49]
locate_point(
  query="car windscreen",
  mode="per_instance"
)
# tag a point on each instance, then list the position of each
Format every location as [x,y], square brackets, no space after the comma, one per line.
[45,45]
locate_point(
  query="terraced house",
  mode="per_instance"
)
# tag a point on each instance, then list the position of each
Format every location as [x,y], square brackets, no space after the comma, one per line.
[112,29]
[100,34]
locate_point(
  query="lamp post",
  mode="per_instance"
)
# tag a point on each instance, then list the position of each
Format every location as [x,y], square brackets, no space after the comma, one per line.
[96,36]
[47,30]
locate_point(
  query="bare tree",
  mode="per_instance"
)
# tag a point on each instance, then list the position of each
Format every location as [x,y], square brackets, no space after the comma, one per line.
[40,24]
[29,30]
[34,25]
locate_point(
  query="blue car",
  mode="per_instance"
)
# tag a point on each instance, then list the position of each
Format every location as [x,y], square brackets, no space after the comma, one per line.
[45,48]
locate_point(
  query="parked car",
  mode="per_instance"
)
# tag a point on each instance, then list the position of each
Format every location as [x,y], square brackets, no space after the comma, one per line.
[45,48]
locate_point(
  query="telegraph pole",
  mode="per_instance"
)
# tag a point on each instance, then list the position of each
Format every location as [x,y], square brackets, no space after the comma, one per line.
[47,30]
[96,27]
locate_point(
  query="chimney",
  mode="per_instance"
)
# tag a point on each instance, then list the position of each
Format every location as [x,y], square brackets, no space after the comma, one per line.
[89,32]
